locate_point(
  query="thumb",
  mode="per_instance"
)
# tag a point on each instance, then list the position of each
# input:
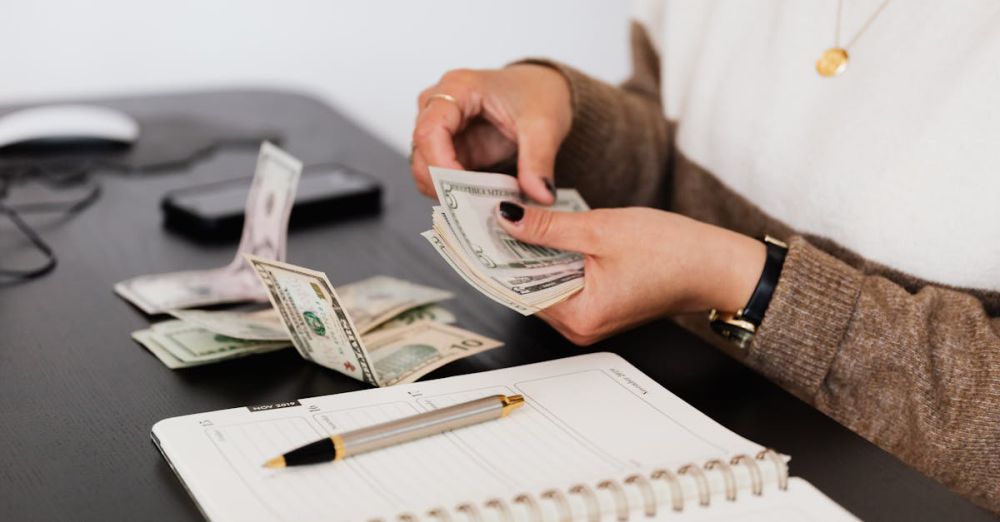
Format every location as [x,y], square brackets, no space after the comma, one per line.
[537,146]
[571,231]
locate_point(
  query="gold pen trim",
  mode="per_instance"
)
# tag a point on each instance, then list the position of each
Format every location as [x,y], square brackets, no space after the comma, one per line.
[338,447]
[511,403]
[276,462]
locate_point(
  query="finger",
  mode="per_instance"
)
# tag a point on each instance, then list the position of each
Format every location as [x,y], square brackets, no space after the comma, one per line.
[422,177]
[561,318]
[460,85]
[556,314]
[481,145]
[433,135]
[538,143]
[552,319]
[574,231]
[423,97]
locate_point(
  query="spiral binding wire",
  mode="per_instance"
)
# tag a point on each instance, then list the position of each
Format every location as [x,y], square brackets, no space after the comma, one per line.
[562,505]
[646,490]
[590,500]
[617,491]
[532,505]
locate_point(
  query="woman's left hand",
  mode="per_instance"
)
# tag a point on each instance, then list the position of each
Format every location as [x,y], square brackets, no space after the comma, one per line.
[640,264]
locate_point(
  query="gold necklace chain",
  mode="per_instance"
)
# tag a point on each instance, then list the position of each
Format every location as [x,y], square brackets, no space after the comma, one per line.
[834,60]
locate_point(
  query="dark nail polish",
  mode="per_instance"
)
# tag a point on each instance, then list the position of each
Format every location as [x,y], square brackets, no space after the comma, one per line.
[551,186]
[511,211]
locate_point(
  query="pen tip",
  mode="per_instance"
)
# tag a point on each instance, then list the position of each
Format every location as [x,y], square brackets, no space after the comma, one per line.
[276,462]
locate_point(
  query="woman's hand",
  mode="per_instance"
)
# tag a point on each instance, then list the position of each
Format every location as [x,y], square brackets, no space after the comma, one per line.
[522,109]
[640,264]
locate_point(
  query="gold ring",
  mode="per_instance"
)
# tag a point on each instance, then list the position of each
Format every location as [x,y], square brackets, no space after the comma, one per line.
[440,96]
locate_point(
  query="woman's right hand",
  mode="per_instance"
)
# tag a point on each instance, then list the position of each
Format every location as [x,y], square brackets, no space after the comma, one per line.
[523,109]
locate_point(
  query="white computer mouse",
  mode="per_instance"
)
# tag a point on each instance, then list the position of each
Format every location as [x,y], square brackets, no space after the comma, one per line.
[67,125]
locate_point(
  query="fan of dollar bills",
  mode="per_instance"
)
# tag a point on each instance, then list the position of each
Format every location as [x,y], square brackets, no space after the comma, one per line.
[526,278]
[381,330]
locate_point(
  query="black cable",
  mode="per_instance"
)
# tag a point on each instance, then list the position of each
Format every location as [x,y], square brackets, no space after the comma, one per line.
[42,246]
[13,212]
[64,207]
[67,174]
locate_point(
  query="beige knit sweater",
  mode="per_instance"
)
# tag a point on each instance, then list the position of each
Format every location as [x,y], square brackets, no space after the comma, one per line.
[911,366]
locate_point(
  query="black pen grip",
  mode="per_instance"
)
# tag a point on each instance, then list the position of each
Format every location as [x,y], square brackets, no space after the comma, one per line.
[322,450]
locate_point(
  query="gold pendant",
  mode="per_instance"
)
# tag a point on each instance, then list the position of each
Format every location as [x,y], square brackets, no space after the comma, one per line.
[832,62]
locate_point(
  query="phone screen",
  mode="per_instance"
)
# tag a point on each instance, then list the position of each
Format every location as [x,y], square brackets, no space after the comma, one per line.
[229,198]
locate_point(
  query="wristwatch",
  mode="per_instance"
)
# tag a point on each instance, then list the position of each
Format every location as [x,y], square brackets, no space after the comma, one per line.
[740,327]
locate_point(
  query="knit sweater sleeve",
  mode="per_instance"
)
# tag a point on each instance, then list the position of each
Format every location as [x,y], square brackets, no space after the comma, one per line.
[618,148]
[916,373]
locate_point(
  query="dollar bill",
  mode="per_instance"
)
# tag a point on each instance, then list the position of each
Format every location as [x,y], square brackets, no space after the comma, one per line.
[431,312]
[149,340]
[469,200]
[524,277]
[323,331]
[317,322]
[375,300]
[181,345]
[266,325]
[401,355]
[263,325]
[472,278]
[265,226]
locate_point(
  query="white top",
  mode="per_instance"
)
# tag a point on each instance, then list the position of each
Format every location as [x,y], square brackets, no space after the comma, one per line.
[896,159]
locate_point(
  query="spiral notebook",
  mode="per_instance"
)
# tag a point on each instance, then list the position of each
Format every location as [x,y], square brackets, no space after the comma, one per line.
[597,440]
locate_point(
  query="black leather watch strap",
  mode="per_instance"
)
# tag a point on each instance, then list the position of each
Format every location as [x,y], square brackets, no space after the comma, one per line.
[761,298]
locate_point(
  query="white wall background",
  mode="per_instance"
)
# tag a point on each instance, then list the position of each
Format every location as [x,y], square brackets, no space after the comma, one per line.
[369,58]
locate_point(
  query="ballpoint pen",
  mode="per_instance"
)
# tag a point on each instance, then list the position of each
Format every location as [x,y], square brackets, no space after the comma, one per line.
[398,431]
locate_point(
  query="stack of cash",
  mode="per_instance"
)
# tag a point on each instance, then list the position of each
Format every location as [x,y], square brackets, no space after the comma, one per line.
[381,330]
[526,278]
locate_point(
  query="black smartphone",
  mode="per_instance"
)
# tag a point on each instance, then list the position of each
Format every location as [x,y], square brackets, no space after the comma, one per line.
[328,192]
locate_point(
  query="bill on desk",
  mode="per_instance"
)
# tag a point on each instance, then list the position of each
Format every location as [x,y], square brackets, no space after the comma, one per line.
[373,303]
[526,278]
[265,227]
[381,330]
[410,337]
[323,331]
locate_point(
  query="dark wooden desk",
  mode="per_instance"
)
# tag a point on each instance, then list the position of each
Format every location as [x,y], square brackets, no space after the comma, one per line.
[78,396]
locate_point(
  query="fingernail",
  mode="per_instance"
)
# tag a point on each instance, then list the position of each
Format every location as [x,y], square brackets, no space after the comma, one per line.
[551,186]
[511,211]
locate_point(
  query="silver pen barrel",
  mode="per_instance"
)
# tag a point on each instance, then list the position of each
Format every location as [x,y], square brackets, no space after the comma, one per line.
[424,424]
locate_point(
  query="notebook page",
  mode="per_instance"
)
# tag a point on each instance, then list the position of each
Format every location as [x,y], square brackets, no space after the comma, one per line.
[585,418]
